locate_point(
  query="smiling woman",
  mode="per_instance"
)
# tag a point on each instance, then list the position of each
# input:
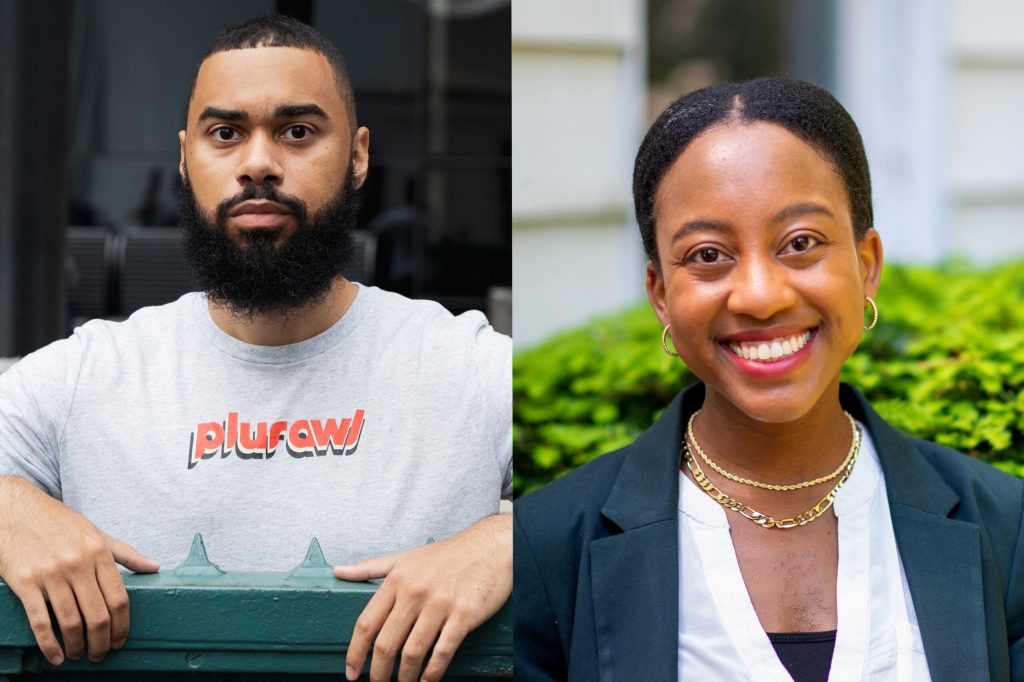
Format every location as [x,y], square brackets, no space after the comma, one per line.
[770,525]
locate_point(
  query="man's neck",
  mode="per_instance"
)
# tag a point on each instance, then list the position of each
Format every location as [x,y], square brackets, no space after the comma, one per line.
[299,324]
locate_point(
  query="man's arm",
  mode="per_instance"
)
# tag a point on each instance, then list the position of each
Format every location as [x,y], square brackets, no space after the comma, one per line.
[50,553]
[437,592]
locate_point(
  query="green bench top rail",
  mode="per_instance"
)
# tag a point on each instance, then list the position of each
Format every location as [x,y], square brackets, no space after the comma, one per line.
[197,622]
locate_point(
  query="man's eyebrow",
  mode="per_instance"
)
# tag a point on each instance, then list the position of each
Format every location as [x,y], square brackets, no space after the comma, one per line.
[222,114]
[297,110]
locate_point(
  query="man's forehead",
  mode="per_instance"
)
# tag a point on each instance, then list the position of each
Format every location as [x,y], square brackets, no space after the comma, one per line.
[260,79]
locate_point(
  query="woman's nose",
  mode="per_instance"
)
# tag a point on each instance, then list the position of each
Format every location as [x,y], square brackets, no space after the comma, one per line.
[760,288]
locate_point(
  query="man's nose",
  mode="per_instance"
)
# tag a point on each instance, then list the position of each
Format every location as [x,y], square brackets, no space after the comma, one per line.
[260,163]
[761,289]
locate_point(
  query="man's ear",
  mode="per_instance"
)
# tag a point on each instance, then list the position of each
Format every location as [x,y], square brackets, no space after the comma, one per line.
[181,158]
[360,156]
[656,292]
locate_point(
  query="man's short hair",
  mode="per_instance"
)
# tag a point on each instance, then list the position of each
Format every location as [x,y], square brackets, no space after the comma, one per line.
[278,30]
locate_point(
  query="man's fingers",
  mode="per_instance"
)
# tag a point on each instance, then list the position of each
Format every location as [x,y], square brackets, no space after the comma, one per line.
[367,626]
[62,600]
[452,634]
[42,627]
[129,557]
[367,570]
[116,598]
[97,619]
[418,644]
[390,640]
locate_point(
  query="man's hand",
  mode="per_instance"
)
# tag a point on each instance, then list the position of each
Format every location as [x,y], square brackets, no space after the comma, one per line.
[50,553]
[437,592]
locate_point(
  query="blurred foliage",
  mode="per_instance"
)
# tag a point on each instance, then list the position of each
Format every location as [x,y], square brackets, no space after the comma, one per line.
[945,363]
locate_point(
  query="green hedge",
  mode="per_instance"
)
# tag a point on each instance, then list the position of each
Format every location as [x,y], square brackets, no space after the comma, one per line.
[945,363]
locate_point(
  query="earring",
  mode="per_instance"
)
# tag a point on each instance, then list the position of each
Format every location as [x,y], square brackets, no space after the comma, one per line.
[664,343]
[874,310]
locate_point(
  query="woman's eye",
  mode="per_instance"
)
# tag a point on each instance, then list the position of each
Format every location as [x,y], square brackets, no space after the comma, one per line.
[802,242]
[707,255]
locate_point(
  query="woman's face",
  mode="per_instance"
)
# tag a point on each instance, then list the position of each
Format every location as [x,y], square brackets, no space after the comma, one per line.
[762,279]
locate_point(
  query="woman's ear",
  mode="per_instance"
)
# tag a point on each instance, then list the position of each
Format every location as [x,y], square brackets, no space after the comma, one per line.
[656,292]
[869,251]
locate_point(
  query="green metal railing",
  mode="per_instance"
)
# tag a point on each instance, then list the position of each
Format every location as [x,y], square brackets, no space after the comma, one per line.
[198,622]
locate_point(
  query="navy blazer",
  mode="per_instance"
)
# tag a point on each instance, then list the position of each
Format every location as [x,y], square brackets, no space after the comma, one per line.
[597,562]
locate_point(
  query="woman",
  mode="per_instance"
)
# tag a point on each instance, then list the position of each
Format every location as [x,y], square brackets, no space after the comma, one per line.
[770,525]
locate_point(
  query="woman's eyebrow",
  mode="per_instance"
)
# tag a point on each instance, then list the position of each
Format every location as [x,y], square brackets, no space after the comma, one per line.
[699,225]
[704,224]
[797,210]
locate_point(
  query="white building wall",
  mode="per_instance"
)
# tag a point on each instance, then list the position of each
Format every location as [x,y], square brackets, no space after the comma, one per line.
[577,113]
[986,144]
[937,88]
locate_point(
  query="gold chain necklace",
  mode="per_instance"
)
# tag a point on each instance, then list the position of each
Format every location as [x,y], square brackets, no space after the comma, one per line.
[854,445]
[764,520]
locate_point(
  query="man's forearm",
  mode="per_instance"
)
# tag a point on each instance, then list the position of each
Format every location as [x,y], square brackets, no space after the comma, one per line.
[15,494]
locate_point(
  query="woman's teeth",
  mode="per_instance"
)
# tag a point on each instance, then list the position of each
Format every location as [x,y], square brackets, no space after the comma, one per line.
[770,351]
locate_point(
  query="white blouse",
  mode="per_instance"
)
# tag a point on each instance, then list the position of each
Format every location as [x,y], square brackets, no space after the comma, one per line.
[720,637]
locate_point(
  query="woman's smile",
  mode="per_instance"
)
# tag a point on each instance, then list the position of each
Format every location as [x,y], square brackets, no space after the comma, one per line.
[769,355]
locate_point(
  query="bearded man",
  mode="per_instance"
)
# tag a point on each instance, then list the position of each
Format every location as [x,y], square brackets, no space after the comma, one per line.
[307,405]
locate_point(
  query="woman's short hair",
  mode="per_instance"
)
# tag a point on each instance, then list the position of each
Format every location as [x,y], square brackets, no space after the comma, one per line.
[807,111]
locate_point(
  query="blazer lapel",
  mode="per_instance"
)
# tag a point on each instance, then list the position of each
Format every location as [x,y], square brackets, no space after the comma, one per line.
[635,572]
[933,549]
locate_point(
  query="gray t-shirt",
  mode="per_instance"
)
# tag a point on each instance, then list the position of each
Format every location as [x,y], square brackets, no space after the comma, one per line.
[391,427]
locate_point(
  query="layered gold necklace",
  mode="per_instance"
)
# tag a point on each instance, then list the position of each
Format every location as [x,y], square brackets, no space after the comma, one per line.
[747,512]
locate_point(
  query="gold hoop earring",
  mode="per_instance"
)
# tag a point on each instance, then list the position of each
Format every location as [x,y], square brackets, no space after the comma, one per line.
[664,343]
[874,310]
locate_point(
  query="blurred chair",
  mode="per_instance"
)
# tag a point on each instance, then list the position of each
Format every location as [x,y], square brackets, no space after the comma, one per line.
[89,292]
[364,258]
[153,270]
[499,309]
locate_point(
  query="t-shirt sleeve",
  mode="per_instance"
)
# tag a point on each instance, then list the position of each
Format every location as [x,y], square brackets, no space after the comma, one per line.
[35,401]
[494,368]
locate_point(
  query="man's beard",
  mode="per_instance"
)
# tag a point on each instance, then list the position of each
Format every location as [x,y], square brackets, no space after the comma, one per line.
[259,276]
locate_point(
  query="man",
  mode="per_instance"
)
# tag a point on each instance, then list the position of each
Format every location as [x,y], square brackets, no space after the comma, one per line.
[285,403]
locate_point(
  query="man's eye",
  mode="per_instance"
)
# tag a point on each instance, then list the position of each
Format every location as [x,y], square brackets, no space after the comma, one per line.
[298,132]
[224,134]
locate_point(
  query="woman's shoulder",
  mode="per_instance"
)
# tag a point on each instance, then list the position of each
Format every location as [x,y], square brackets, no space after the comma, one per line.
[917,471]
[973,480]
[958,466]
[635,485]
[578,494]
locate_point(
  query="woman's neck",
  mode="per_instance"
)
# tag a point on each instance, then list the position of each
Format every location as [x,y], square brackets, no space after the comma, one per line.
[812,445]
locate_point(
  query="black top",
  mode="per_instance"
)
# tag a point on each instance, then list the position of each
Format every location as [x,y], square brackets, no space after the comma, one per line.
[806,655]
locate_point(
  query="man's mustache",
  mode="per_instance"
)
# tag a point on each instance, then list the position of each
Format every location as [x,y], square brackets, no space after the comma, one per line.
[262,192]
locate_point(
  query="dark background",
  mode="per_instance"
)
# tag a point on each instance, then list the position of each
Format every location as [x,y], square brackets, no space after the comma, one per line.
[93,92]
